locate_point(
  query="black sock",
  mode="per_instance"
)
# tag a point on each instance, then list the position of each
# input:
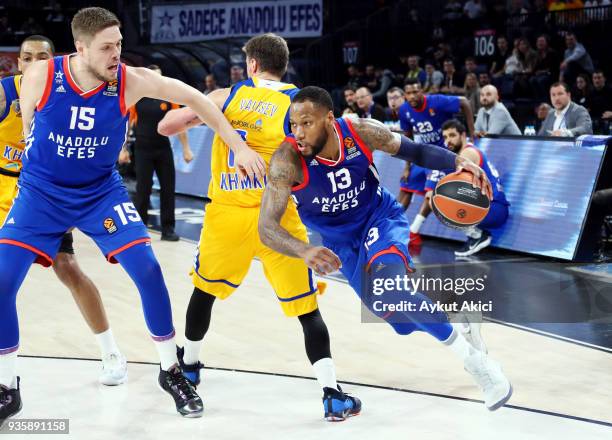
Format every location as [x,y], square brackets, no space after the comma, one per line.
[198,314]
[316,336]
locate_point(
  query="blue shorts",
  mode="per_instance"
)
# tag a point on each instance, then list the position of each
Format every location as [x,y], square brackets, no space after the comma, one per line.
[416,180]
[386,232]
[496,217]
[38,220]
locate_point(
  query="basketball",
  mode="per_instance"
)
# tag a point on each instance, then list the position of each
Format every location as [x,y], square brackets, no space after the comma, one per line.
[457,203]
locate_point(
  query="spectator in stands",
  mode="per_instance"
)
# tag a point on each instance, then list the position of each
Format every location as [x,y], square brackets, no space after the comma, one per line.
[369,77]
[484,79]
[367,107]
[351,102]
[433,78]
[210,84]
[470,66]
[395,98]
[354,77]
[546,68]
[453,81]
[499,59]
[414,70]
[384,78]
[569,118]
[527,58]
[581,92]
[236,74]
[473,9]
[576,60]
[601,103]
[542,111]
[472,91]
[493,117]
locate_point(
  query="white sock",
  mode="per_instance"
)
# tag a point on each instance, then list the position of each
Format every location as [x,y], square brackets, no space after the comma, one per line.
[459,345]
[326,373]
[8,370]
[167,353]
[107,344]
[473,232]
[417,223]
[192,351]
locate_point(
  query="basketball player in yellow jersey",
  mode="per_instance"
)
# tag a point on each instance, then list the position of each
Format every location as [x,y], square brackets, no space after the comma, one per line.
[258,109]
[84,292]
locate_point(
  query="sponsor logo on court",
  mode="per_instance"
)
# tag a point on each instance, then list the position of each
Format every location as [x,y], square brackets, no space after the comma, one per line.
[109,225]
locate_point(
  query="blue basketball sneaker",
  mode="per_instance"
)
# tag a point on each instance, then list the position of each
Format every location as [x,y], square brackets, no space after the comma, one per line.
[191,372]
[339,406]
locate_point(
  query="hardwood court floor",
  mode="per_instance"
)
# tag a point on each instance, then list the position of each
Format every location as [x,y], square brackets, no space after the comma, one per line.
[249,333]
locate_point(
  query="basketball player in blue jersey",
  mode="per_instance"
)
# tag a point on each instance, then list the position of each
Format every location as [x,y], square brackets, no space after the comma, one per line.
[74,111]
[326,167]
[423,116]
[86,295]
[479,236]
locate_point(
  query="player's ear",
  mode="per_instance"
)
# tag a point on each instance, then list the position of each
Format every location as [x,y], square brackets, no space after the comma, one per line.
[330,116]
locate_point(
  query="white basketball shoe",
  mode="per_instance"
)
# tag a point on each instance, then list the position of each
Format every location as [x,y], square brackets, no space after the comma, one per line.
[114,370]
[490,378]
[469,324]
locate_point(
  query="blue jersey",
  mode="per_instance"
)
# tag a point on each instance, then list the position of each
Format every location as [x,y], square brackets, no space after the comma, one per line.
[75,135]
[337,199]
[488,168]
[425,122]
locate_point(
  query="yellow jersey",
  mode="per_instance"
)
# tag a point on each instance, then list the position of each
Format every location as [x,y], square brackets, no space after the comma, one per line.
[258,110]
[11,128]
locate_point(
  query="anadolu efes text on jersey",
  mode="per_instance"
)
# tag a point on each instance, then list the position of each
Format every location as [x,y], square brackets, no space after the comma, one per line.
[336,199]
[75,135]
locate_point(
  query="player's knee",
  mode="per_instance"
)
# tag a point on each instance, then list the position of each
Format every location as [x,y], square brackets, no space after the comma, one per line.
[67,270]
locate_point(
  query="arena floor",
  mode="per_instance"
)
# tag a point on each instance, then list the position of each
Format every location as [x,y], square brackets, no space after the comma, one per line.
[259,384]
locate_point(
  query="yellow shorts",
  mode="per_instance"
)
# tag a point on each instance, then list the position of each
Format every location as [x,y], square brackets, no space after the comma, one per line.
[230,240]
[8,192]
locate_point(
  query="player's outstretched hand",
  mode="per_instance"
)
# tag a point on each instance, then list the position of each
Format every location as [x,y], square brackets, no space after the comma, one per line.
[249,163]
[321,260]
[479,177]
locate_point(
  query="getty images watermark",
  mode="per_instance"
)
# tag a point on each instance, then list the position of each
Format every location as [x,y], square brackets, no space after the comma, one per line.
[397,294]
[399,297]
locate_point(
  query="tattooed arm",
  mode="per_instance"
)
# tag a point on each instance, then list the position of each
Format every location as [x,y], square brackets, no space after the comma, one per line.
[377,136]
[284,173]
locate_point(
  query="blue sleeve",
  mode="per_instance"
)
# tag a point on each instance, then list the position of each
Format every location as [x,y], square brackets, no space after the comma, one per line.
[404,122]
[291,94]
[10,94]
[448,104]
[426,155]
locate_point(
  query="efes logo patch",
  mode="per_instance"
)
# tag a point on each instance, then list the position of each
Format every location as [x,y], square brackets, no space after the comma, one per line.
[349,142]
[109,225]
[16,108]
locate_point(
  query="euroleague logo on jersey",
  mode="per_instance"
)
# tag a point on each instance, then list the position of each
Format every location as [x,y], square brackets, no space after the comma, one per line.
[16,108]
[109,225]
[111,88]
[349,142]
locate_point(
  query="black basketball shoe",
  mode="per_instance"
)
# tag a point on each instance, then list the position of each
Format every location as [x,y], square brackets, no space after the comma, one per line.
[473,245]
[188,403]
[190,371]
[339,406]
[10,402]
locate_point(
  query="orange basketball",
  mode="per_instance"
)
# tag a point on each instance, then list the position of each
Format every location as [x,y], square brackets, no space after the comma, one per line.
[457,203]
